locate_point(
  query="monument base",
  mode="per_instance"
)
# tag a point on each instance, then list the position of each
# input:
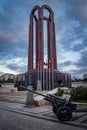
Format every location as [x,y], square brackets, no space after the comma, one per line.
[47,80]
[44,80]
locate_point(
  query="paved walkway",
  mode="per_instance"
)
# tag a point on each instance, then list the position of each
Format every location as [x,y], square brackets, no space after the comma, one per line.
[15,101]
[44,112]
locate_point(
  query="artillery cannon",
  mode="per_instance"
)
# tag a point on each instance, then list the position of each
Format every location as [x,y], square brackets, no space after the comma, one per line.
[62,107]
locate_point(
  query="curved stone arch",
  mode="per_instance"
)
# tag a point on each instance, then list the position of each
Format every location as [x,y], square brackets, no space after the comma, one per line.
[48,8]
[34,16]
[38,21]
[34,9]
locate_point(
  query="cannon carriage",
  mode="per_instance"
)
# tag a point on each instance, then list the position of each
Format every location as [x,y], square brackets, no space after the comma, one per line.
[61,106]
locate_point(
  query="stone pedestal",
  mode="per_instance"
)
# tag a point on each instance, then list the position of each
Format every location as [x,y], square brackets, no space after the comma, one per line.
[39,87]
[29,98]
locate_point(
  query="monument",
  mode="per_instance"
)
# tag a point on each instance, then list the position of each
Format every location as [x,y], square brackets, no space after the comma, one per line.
[39,41]
[43,68]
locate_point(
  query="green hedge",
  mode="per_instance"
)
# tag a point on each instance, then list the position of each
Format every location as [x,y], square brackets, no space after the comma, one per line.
[59,92]
[79,94]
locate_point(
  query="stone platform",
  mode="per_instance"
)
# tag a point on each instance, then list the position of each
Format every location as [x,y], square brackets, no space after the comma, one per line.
[49,80]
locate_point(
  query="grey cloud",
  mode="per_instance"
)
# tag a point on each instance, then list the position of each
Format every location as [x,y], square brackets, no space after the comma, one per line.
[1,73]
[67,63]
[70,20]
[8,48]
[81,65]
[78,73]
[72,24]
[18,68]
[83,60]
[79,47]
[14,63]
[77,9]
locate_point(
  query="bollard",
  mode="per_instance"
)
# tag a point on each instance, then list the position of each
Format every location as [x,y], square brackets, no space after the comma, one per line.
[39,85]
[29,98]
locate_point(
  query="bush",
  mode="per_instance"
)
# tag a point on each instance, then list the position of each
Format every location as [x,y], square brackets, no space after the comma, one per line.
[59,92]
[79,94]
[85,80]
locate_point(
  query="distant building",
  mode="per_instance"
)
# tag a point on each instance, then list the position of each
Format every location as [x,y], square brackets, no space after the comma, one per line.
[6,77]
[10,78]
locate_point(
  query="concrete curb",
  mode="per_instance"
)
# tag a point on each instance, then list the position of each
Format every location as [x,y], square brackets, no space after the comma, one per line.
[80,103]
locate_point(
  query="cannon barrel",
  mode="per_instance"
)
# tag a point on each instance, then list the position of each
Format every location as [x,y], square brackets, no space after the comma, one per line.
[49,97]
[33,91]
[46,97]
[58,99]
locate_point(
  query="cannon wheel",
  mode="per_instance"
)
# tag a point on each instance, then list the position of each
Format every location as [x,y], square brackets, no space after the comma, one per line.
[55,108]
[64,113]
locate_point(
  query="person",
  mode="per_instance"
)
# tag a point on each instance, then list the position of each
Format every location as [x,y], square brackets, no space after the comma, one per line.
[0,85]
[60,83]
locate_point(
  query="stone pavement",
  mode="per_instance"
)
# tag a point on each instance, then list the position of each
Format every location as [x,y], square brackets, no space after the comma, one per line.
[44,112]
[15,102]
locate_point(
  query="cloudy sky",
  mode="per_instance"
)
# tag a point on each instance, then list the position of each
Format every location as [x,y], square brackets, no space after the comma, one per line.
[71,34]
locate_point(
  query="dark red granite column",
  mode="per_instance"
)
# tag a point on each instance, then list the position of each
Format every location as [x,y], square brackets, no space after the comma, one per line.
[41,37]
[30,53]
[49,41]
[29,46]
[37,45]
[54,48]
[53,42]
[37,35]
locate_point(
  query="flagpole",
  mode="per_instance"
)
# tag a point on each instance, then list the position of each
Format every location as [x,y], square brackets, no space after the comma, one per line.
[38,71]
[41,73]
[46,79]
[49,75]
[43,77]
[52,74]
[46,75]
[38,75]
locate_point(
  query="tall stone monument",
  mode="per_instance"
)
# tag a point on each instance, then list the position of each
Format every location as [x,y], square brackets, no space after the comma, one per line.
[49,77]
[39,41]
